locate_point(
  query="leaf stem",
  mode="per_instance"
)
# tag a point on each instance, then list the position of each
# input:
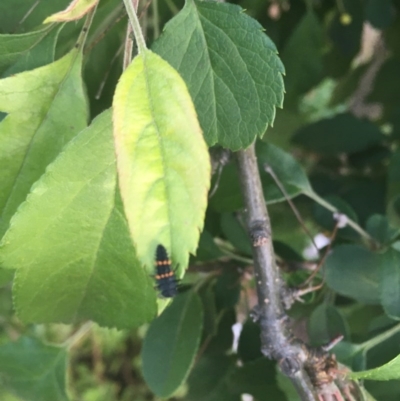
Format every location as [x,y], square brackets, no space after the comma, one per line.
[350,222]
[131,7]
[85,29]
[78,336]
[367,345]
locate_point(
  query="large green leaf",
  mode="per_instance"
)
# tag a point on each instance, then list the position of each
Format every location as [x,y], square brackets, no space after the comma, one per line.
[389,371]
[46,108]
[171,344]
[70,242]
[231,68]
[390,284]
[354,271]
[34,371]
[162,159]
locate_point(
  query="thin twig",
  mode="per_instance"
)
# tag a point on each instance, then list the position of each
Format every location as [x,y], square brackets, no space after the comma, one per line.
[277,340]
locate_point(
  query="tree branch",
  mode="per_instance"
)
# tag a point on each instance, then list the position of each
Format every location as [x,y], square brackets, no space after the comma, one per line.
[276,338]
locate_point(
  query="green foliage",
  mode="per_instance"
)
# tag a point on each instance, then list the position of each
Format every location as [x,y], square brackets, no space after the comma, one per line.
[235,81]
[33,370]
[77,234]
[88,192]
[37,126]
[171,344]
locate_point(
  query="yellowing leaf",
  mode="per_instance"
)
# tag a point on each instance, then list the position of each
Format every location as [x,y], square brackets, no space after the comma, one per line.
[76,10]
[162,159]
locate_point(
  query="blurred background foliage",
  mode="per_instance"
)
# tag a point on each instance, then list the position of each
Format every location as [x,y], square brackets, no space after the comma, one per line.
[341,123]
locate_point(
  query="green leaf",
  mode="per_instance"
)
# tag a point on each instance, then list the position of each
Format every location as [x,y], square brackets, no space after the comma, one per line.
[12,47]
[209,379]
[354,271]
[70,242]
[162,159]
[326,323]
[39,104]
[258,379]
[389,371]
[390,284]
[288,171]
[302,56]
[342,133]
[379,228]
[236,233]
[228,197]
[34,371]
[207,249]
[38,55]
[26,15]
[171,344]
[231,68]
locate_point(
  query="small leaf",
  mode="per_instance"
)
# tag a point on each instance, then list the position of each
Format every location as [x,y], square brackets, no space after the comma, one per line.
[171,344]
[76,10]
[342,133]
[162,159]
[39,104]
[288,171]
[390,285]
[354,271]
[389,371]
[231,68]
[379,228]
[70,242]
[326,323]
[34,371]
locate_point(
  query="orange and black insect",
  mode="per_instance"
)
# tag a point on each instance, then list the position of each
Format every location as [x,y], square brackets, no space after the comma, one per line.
[167,283]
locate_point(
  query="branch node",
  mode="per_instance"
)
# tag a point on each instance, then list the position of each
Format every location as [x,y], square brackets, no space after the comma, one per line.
[259,233]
